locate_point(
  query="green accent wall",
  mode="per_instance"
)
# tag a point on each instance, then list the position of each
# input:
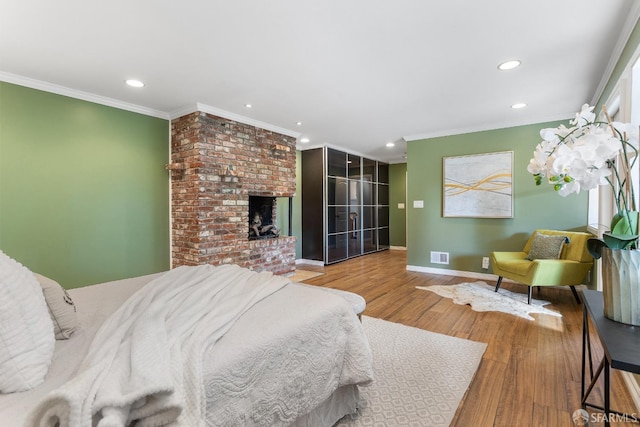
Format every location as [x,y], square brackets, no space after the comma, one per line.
[397,194]
[84,196]
[469,239]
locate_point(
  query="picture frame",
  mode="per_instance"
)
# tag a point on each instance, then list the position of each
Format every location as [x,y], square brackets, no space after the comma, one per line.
[478,185]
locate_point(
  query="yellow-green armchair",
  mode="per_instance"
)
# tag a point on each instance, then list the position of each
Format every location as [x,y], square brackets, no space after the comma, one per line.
[569,269]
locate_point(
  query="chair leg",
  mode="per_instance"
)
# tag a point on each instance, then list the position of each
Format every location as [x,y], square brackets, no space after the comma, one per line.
[499,283]
[575,293]
[530,294]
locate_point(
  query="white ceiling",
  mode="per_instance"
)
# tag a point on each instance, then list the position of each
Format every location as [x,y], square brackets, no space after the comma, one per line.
[356,73]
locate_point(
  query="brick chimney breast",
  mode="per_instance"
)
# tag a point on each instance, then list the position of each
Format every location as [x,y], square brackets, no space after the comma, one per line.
[225,162]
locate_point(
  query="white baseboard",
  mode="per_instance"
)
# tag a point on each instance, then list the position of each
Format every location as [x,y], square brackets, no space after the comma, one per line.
[459,273]
[310,262]
[321,264]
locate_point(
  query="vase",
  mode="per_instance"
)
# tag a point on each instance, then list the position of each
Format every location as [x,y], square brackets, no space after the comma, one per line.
[621,285]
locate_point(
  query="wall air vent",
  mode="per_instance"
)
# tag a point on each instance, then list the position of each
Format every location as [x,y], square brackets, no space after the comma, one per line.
[439,257]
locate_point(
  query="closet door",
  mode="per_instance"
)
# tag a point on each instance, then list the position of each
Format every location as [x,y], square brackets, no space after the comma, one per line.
[337,209]
[354,165]
[313,218]
[369,209]
[354,196]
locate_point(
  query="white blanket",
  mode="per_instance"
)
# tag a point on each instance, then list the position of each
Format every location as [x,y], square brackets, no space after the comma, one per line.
[284,358]
[145,362]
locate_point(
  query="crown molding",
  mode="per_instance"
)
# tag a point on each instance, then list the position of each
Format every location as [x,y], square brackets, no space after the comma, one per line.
[307,146]
[493,126]
[183,111]
[78,94]
[625,33]
[232,116]
[110,102]
[344,150]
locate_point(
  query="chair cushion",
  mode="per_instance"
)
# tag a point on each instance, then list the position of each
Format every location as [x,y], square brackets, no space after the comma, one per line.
[518,267]
[546,247]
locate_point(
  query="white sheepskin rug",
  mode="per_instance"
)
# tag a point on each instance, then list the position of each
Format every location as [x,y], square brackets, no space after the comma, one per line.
[482,297]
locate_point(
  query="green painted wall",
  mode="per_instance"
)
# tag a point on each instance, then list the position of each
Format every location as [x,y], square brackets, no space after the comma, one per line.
[469,239]
[84,196]
[397,194]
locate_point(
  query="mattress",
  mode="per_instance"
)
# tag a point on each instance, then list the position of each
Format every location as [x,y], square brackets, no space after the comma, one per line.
[275,366]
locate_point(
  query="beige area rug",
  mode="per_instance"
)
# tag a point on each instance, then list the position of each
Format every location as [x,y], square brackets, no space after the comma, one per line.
[482,297]
[420,376]
[301,275]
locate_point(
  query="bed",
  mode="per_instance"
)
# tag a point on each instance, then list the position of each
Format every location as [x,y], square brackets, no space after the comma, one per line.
[295,355]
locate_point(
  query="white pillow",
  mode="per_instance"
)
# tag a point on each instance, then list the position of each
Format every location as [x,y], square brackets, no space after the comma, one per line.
[26,331]
[62,310]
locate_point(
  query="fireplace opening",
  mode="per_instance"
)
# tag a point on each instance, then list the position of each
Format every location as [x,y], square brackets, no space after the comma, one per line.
[262,218]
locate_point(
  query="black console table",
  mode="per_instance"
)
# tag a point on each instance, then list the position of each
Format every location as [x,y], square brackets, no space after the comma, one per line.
[621,344]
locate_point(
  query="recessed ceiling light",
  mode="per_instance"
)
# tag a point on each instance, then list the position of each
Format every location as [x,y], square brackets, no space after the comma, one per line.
[509,65]
[134,83]
[299,123]
[518,105]
[390,144]
[304,140]
[248,105]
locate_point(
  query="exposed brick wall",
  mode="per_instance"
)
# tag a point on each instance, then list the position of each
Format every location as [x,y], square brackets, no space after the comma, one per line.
[224,162]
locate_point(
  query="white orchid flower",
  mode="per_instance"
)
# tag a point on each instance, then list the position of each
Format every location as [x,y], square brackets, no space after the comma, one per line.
[584,117]
[596,177]
[549,135]
[564,161]
[575,168]
[536,167]
[538,164]
[569,188]
[608,150]
[579,158]
[631,131]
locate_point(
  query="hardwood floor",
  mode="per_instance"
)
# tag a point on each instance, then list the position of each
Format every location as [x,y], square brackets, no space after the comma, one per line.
[530,372]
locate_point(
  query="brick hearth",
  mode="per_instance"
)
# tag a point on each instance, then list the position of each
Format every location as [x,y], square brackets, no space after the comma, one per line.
[216,164]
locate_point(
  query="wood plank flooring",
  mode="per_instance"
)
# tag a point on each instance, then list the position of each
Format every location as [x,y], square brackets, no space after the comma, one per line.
[530,372]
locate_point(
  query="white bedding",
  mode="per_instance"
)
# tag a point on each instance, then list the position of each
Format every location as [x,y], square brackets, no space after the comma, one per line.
[297,347]
[286,355]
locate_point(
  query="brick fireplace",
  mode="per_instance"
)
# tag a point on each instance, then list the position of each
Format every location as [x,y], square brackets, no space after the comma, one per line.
[216,164]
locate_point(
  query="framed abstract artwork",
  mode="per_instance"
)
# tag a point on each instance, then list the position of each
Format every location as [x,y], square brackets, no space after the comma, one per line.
[478,186]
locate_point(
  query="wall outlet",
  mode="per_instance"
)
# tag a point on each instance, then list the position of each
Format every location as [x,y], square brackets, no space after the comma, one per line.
[485,262]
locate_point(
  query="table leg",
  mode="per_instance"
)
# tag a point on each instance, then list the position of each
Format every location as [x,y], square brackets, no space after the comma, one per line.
[584,351]
[607,408]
